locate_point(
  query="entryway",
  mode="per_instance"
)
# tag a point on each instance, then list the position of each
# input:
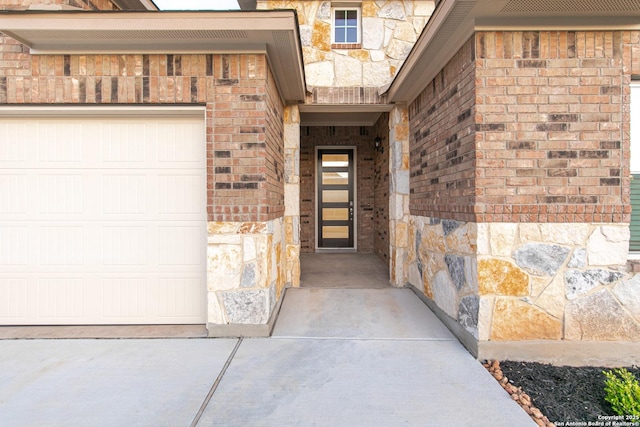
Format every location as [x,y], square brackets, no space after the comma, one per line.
[339,270]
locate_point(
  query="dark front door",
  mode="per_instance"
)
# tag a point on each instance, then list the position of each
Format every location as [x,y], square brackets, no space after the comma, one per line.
[335,198]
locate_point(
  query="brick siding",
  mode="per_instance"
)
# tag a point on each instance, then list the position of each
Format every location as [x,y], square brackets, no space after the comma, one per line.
[527,127]
[82,4]
[360,137]
[381,191]
[244,111]
[442,142]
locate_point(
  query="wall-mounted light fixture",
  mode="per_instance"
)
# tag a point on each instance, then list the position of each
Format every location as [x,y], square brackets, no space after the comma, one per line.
[377,144]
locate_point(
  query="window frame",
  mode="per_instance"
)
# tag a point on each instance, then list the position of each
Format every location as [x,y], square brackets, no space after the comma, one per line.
[358,11]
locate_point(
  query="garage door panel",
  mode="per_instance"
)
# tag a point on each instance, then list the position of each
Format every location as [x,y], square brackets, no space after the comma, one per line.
[180,194]
[61,245]
[14,246]
[13,194]
[181,245]
[125,245]
[179,297]
[125,194]
[13,148]
[102,221]
[61,298]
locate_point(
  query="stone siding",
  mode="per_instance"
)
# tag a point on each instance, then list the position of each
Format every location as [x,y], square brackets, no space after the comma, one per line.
[245,271]
[338,136]
[530,281]
[389,31]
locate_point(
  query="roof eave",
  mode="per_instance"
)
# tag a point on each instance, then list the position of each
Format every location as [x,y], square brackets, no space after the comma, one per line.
[274,33]
[455,21]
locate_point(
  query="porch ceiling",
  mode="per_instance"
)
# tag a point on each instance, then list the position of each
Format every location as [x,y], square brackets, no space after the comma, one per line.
[454,21]
[272,32]
[341,115]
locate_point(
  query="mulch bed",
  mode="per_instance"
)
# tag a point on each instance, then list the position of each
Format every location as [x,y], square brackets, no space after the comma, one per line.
[564,394]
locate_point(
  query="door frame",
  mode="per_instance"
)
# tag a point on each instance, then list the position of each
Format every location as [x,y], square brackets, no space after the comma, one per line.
[354,149]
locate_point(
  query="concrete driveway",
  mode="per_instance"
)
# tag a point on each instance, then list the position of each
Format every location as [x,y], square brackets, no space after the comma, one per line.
[338,357]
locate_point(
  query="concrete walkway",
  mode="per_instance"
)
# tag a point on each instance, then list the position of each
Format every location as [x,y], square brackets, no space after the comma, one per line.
[337,357]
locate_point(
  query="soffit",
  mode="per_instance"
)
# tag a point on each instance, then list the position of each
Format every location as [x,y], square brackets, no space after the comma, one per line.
[341,115]
[454,21]
[135,4]
[272,32]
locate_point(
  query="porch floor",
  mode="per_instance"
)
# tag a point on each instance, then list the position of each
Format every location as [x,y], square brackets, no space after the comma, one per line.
[343,270]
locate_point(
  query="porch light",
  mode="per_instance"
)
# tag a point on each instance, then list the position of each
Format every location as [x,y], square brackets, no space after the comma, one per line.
[378,144]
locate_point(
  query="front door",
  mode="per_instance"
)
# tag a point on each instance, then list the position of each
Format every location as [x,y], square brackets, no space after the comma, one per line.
[335,198]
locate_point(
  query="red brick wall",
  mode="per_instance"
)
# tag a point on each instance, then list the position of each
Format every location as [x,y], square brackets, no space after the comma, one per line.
[244,112]
[83,4]
[381,191]
[362,138]
[274,184]
[527,126]
[550,128]
[442,142]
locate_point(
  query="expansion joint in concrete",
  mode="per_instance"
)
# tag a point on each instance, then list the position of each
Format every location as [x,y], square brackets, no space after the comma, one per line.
[214,387]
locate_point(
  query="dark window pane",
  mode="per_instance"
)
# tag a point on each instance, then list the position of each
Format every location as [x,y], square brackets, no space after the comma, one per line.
[340,36]
[352,18]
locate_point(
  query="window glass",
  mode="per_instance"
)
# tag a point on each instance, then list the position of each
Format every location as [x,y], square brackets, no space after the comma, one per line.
[345,26]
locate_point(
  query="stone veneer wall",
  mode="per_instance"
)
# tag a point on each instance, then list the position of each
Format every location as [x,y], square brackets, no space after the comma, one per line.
[389,30]
[528,281]
[339,136]
[245,272]
[537,249]
[247,239]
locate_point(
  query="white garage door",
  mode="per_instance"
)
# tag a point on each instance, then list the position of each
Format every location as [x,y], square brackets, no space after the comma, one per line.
[102,220]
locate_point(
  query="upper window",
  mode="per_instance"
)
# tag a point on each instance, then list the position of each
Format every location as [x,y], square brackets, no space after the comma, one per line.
[346,26]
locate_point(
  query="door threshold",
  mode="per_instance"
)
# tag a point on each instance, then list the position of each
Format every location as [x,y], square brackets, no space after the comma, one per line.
[336,251]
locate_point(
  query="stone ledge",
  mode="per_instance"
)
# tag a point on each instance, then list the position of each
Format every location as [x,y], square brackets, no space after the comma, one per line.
[346,46]
[569,353]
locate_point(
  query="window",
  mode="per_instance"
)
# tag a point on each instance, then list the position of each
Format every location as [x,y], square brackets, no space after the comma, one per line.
[634,242]
[346,26]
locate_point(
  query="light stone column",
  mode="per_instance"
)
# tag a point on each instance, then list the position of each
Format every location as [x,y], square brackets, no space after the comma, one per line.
[292,193]
[398,193]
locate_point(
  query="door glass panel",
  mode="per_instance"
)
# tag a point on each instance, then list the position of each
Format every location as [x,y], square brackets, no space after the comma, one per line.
[335,160]
[335,214]
[335,232]
[335,196]
[335,178]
